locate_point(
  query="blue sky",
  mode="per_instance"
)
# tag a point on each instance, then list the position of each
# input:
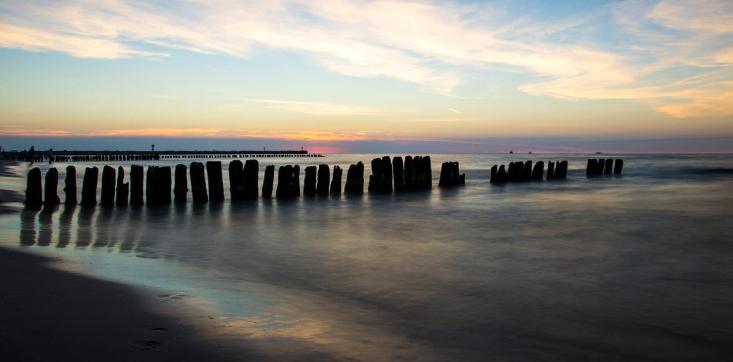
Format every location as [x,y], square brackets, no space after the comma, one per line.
[320,72]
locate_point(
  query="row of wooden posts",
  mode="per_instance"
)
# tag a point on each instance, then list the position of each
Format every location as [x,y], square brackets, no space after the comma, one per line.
[524,171]
[598,167]
[414,174]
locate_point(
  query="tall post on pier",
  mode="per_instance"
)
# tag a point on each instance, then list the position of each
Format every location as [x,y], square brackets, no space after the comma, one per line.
[180,190]
[50,195]
[336,181]
[89,187]
[136,185]
[34,189]
[268,181]
[309,182]
[251,176]
[216,183]
[108,187]
[236,180]
[198,183]
[324,176]
[70,186]
[398,173]
[123,188]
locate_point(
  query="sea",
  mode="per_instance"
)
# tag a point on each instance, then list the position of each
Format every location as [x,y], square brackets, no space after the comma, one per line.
[631,267]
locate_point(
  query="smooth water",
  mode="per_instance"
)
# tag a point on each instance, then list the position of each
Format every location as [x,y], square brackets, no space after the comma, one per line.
[632,267]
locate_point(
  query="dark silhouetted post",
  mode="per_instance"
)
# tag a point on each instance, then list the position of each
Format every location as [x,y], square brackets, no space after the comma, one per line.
[450,175]
[355,179]
[198,183]
[108,187]
[50,196]
[386,174]
[34,189]
[136,185]
[268,181]
[295,179]
[494,170]
[501,175]
[216,183]
[618,167]
[151,186]
[164,184]
[324,176]
[336,181]
[251,176]
[428,173]
[70,186]
[180,190]
[123,188]
[590,167]
[561,170]
[309,182]
[398,173]
[538,171]
[527,171]
[608,168]
[550,170]
[236,180]
[284,175]
[409,173]
[375,179]
[419,181]
[89,187]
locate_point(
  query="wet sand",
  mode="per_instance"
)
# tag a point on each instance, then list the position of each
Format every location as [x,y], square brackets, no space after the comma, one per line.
[50,315]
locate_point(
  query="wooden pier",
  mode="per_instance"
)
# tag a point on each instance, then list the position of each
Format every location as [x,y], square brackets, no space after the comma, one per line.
[101,156]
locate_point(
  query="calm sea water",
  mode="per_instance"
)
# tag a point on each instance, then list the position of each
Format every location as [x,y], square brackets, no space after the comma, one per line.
[614,268]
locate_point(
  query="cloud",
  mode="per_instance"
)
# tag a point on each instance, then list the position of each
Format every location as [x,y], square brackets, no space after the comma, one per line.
[625,50]
[316,108]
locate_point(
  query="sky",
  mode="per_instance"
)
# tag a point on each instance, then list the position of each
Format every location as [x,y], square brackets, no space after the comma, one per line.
[354,75]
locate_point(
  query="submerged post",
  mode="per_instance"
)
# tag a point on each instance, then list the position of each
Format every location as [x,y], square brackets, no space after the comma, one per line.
[409,174]
[386,185]
[268,181]
[550,170]
[284,174]
[151,186]
[236,181]
[618,167]
[123,188]
[50,196]
[89,187]
[198,183]
[164,184]
[608,168]
[428,173]
[355,179]
[70,186]
[180,190]
[398,173]
[375,179]
[538,171]
[136,185]
[216,183]
[108,187]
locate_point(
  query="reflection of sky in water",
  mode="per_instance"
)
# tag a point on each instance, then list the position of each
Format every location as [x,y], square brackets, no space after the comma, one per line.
[600,268]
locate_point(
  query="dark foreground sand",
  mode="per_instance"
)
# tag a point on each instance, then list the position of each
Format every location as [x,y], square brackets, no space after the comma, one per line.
[50,315]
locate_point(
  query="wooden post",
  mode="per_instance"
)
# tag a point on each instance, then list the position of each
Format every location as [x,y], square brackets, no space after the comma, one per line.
[375,179]
[493,179]
[501,175]
[419,181]
[590,167]
[409,174]
[251,175]
[34,189]
[538,171]
[386,185]
[180,190]
[89,187]
[295,179]
[336,182]
[618,167]
[70,186]
[399,174]
[608,167]
[309,182]
[355,179]
[561,172]
[236,180]
[527,171]
[198,183]
[151,186]
[123,188]
[268,181]
[108,187]
[136,185]
[51,197]
[164,184]
[428,173]
[324,176]
[216,183]
[550,170]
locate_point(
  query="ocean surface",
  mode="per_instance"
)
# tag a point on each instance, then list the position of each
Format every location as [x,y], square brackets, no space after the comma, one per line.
[636,267]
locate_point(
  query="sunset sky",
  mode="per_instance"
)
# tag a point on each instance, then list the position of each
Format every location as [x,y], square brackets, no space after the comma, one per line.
[338,72]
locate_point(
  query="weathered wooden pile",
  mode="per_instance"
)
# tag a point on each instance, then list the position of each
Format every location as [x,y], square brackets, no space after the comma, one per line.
[414,174]
[599,167]
[524,172]
[450,175]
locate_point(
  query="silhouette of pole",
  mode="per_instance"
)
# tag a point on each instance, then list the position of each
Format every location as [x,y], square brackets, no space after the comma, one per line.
[180,190]
[268,181]
[123,188]
[108,187]
[89,186]
[50,196]
[136,185]
[70,186]
[198,183]
[216,183]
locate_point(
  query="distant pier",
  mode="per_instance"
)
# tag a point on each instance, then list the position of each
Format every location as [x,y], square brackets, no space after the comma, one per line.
[97,156]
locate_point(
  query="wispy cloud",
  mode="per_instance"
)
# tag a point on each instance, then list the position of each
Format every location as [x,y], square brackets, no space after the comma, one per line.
[315,108]
[425,43]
